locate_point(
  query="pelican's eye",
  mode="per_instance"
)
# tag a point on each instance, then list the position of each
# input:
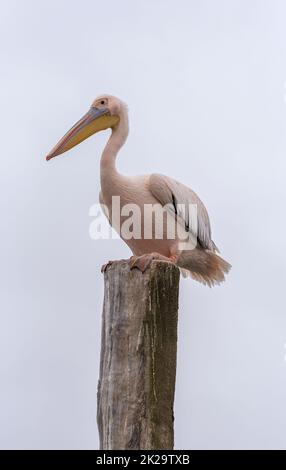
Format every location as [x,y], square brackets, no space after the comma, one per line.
[102,102]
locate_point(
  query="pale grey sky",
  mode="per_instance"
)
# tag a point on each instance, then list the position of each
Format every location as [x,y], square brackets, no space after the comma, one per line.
[205,84]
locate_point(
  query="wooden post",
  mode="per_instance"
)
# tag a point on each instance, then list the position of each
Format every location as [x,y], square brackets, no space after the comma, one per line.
[138,357]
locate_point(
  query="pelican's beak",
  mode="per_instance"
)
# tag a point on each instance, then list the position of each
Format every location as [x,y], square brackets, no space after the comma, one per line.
[97,119]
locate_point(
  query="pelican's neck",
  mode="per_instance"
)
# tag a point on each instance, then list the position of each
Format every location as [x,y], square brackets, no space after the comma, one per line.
[115,142]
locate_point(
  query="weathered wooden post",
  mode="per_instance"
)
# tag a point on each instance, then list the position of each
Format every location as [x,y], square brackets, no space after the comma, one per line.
[138,357]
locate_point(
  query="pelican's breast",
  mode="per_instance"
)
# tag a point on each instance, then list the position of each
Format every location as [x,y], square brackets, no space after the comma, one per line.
[136,214]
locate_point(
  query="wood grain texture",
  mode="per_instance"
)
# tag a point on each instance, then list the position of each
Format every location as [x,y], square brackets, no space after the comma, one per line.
[138,357]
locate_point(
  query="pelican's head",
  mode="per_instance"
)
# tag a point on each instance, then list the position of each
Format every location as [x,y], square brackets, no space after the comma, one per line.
[105,112]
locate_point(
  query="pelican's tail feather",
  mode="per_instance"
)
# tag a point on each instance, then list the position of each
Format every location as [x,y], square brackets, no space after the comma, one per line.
[204,266]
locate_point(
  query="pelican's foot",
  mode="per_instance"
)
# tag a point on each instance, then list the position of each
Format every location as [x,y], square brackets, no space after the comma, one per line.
[105,266]
[143,262]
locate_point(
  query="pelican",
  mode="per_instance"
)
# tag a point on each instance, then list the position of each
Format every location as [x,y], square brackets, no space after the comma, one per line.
[202,262]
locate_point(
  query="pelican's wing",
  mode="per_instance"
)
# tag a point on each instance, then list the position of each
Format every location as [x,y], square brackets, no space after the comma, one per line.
[172,193]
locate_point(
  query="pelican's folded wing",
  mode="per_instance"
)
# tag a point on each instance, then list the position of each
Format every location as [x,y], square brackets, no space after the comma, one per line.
[179,199]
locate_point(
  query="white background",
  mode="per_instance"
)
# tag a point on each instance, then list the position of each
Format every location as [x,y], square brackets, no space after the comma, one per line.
[204,81]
